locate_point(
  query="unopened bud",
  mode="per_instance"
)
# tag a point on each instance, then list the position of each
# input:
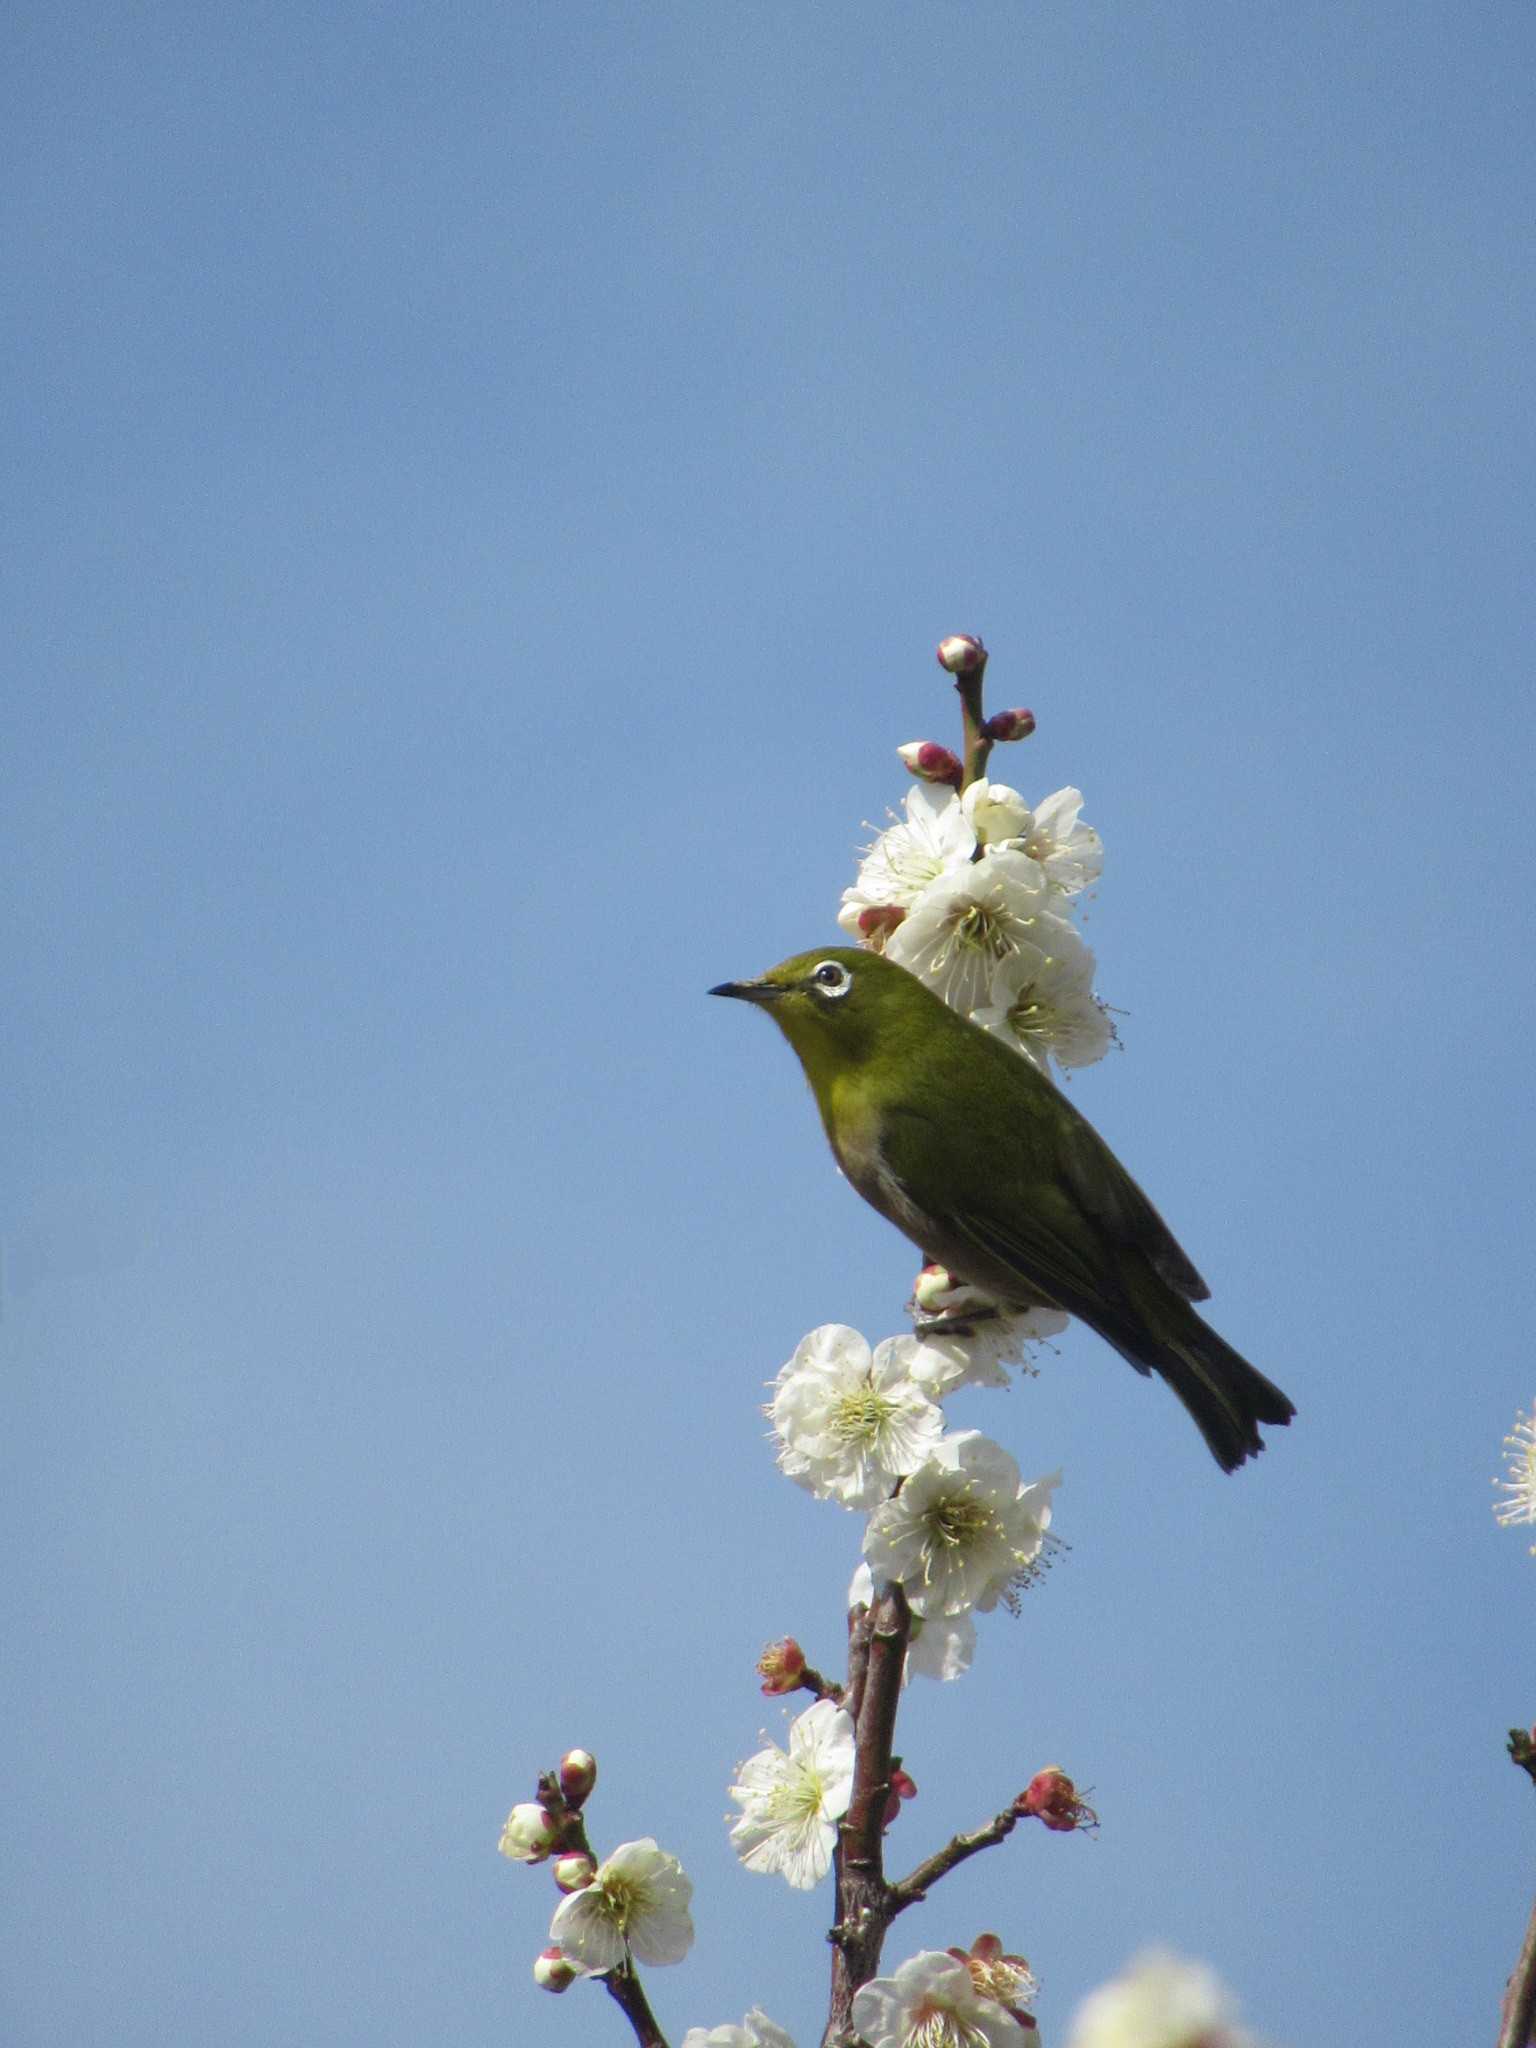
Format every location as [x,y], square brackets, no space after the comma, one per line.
[937,1292]
[876,923]
[554,1970]
[933,1288]
[781,1666]
[578,1774]
[902,1787]
[1009,725]
[1051,1796]
[530,1833]
[574,1872]
[961,653]
[930,762]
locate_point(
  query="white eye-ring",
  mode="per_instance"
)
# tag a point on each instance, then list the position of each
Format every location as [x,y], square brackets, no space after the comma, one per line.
[831,978]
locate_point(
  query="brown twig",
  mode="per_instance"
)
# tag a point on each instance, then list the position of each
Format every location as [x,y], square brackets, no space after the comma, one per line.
[1517,2021]
[959,1849]
[623,1987]
[877,1659]
[890,1624]
[977,745]
[811,1680]
[858,1660]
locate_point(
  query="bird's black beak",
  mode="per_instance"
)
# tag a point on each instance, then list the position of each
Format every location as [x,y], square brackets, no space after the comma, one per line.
[749,991]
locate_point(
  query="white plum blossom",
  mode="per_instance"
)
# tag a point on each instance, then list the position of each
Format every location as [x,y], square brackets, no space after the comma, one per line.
[792,1801]
[941,1646]
[1161,2001]
[636,1905]
[1041,1000]
[932,2002]
[967,923]
[935,839]
[964,1531]
[755,2031]
[996,813]
[851,1422]
[972,892]
[976,1353]
[1071,853]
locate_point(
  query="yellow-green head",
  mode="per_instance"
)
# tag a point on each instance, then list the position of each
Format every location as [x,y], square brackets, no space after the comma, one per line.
[841,1008]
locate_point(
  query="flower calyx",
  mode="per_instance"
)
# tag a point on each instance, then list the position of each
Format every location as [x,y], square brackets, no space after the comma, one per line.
[1006,1979]
[1051,1797]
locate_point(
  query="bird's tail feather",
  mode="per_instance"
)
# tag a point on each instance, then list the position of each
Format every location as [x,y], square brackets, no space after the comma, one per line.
[1226,1396]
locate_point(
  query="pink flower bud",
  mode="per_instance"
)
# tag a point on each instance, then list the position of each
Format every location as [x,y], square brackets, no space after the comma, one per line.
[781,1666]
[1009,725]
[553,1970]
[961,653]
[530,1833]
[902,1787]
[1051,1796]
[876,923]
[930,762]
[573,1873]
[578,1774]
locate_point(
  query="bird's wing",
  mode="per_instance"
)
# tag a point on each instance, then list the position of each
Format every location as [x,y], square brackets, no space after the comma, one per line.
[1038,1242]
[1044,1263]
[1056,1209]
[1106,1192]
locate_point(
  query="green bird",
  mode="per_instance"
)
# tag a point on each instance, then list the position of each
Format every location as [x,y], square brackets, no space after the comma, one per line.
[979,1159]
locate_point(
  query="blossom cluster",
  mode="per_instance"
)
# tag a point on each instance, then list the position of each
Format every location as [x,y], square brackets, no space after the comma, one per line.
[973,892]
[951,1520]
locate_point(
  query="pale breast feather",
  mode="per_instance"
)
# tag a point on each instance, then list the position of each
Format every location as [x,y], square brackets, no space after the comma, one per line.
[856,1147]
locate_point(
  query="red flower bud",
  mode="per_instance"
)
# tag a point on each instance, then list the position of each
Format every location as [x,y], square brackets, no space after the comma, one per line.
[781,1666]
[578,1774]
[553,1970]
[902,1787]
[961,653]
[1009,725]
[930,762]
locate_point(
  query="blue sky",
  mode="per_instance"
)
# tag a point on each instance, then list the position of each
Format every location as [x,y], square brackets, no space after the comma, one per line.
[485,486]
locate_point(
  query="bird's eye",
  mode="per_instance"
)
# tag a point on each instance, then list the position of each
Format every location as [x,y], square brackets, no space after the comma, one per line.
[832,978]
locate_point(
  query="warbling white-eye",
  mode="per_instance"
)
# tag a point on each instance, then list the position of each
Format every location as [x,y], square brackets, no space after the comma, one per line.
[973,1153]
